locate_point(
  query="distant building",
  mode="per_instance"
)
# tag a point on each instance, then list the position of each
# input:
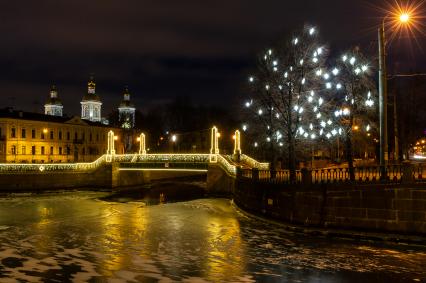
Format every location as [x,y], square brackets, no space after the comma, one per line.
[91,104]
[37,138]
[53,105]
[126,111]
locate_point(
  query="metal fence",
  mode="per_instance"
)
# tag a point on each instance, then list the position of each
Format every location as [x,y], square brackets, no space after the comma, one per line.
[372,174]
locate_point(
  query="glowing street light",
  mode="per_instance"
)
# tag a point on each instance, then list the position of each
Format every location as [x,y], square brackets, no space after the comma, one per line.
[404,17]
[400,17]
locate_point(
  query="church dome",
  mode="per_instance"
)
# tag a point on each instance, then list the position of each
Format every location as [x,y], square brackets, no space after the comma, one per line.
[91,92]
[53,97]
[125,103]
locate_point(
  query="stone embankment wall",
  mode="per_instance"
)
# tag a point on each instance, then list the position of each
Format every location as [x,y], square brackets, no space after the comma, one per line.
[369,208]
[39,181]
[219,183]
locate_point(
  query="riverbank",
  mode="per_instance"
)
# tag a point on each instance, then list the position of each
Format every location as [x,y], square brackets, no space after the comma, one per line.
[339,233]
[382,212]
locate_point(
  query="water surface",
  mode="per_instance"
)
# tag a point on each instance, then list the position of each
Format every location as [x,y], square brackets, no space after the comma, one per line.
[82,236]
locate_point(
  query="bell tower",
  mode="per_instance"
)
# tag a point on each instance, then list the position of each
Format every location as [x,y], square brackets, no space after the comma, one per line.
[126,111]
[91,103]
[53,105]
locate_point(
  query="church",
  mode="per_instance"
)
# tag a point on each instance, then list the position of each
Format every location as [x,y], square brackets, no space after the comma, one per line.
[27,137]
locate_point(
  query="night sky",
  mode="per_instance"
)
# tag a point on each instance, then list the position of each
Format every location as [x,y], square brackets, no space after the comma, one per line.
[163,49]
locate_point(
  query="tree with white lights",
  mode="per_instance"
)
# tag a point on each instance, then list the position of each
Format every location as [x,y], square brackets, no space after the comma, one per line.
[352,98]
[296,98]
[286,102]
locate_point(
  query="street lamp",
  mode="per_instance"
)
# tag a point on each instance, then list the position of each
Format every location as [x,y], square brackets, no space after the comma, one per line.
[402,18]
[174,143]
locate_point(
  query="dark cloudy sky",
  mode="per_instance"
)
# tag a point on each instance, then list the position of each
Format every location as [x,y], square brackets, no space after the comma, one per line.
[161,49]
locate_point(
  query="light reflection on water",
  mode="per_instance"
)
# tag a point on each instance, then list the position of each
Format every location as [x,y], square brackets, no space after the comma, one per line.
[81,237]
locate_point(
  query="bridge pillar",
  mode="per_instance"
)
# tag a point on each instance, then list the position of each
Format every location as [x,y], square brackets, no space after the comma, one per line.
[237,146]
[142,145]
[219,183]
[110,149]
[214,150]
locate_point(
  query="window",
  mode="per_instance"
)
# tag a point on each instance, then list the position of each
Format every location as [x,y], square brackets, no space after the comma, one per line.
[23,133]
[13,133]
[83,136]
[24,150]
[68,136]
[13,149]
[0,132]
[75,136]
[51,135]
[51,150]
[60,150]
[60,135]
[42,136]
[68,150]
[33,133]
[97,136]
[33,150]
[42,150]
[90,137]
[84,151]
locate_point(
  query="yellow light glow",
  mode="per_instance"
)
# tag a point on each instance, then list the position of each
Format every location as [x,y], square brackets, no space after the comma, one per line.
[138,139]
[214,142]
[45,131]
[404,17]
[115,138]
[162,169]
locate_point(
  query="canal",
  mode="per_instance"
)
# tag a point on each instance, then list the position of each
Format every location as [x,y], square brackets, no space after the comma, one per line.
[86,236]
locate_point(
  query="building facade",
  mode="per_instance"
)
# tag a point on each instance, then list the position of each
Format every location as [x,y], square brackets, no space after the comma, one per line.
[36,138]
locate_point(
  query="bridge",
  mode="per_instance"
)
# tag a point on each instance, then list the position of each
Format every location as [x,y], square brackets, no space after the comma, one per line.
[143,161]
[116,170]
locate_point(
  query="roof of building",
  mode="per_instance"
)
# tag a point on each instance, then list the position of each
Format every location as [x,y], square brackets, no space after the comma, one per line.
[53,101]
[53,97]
[31,116]
[91,91]
[91,97]
[126,104]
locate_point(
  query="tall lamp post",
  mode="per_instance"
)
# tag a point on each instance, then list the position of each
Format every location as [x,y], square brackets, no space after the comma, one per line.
[383,95]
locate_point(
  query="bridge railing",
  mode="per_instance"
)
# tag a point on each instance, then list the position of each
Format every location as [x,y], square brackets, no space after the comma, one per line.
[194,166]
[225,165]
[146,159]
[50,167]
[395,174]
[254,163]
[162,157]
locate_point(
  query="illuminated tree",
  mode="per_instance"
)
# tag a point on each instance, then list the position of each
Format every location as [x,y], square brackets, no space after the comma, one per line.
[352,96]
[286,102]
[295,98]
